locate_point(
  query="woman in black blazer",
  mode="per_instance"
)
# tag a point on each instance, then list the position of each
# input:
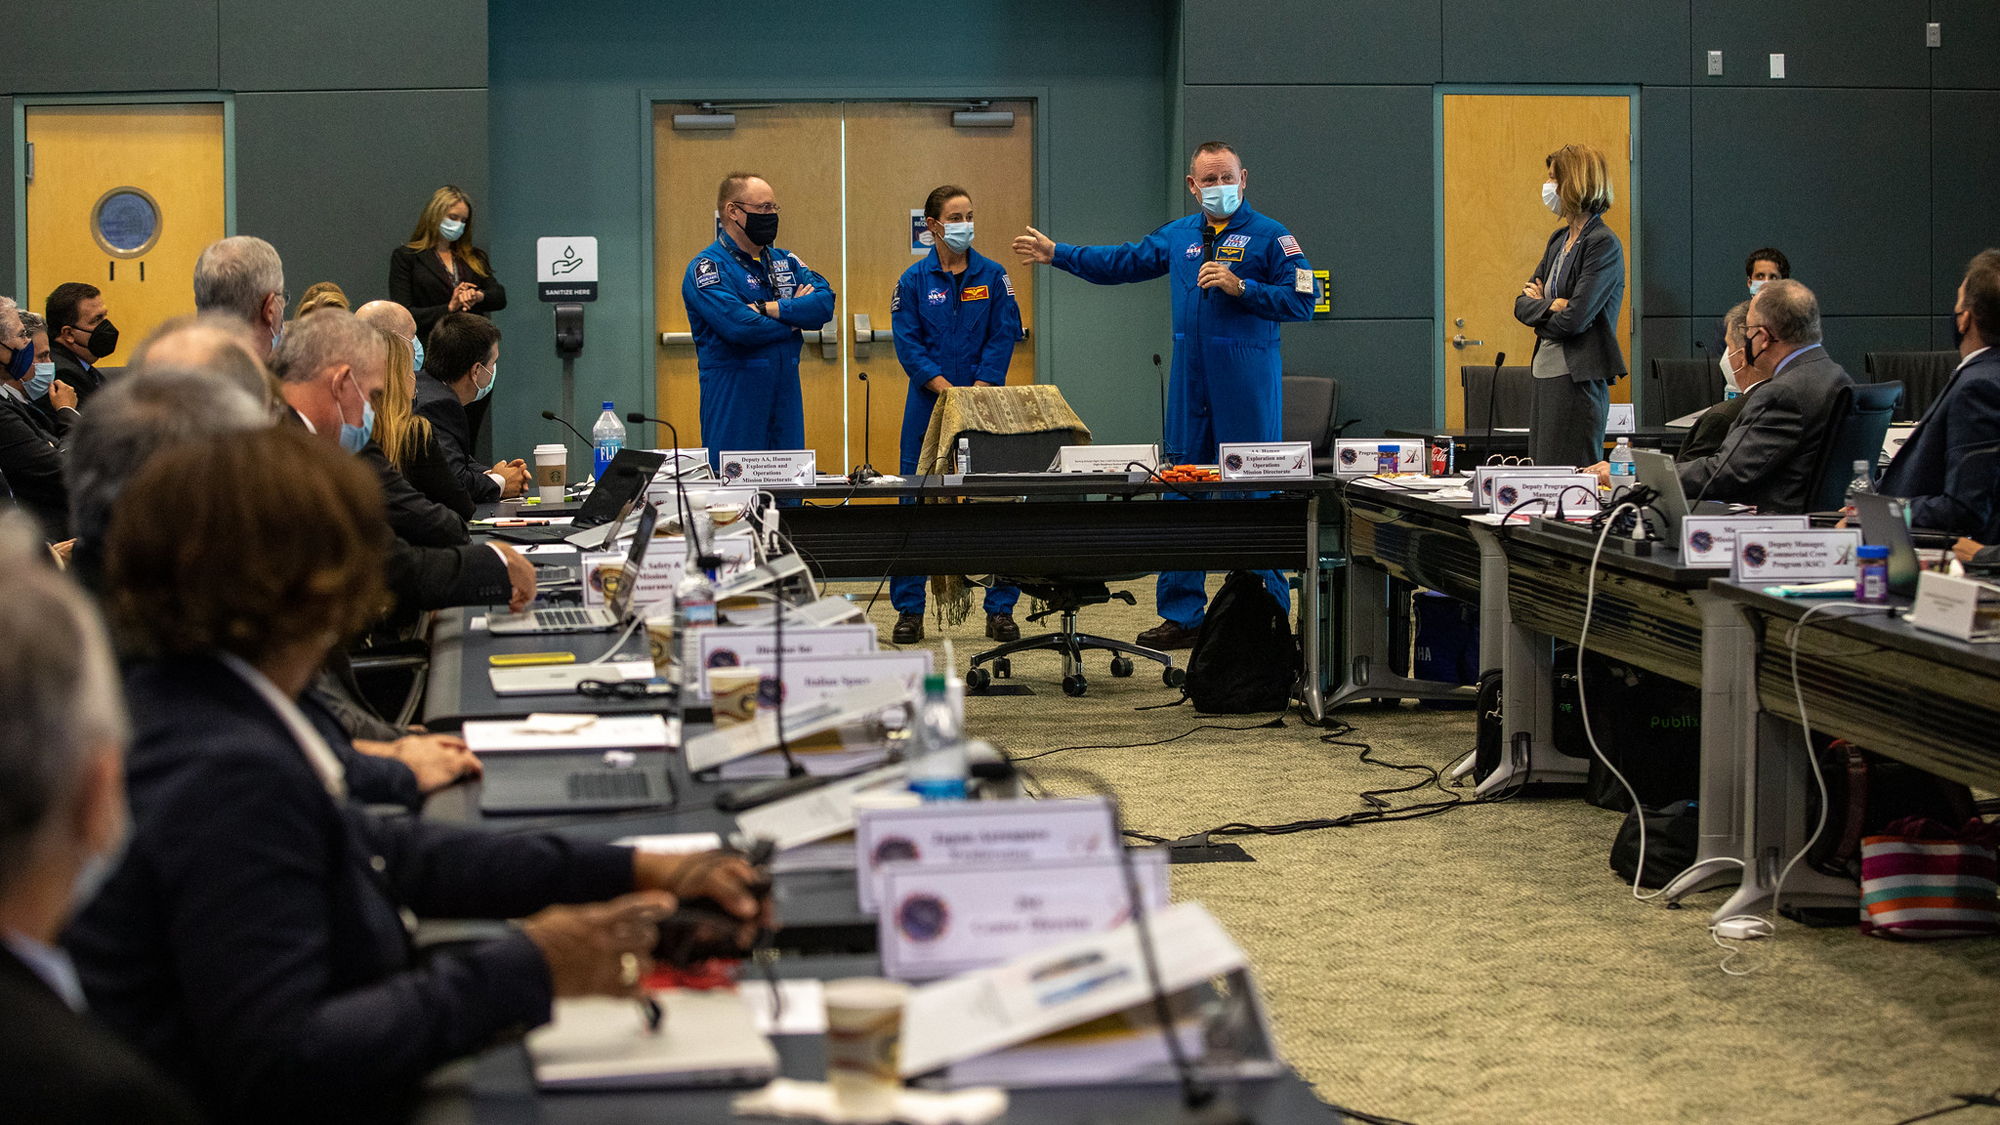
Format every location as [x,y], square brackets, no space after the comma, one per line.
[1572,304]
[439,270]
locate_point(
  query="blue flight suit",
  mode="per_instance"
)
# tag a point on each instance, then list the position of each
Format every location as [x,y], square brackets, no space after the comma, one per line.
[963,327]
[749,362]
[1226,383]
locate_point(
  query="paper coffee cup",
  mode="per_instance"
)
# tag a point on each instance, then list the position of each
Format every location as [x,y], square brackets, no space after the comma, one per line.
[864,1030]
[660,639]
[735,694]
[551,471]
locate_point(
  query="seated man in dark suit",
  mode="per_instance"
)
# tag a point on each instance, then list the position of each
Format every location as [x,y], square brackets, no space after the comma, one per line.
[461,361]
[1947,468]
[1769,455]
[30,453]
[252,939]
[80,334]
[1738,376]
[62,816]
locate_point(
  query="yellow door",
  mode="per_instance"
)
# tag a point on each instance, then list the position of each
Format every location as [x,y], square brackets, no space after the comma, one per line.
[893,154]
[125,197]
[796,147]
[1495,226]
[896,153]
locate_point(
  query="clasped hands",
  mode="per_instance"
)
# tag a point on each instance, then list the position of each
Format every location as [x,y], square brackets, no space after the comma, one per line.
[465,296]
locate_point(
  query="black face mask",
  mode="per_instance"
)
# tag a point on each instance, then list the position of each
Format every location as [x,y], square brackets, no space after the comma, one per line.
[760,229]
[1749,355]
[103,339]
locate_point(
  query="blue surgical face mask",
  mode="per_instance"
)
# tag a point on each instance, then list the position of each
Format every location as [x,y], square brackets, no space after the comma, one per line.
[38,383]
[417,347]
[1221,200]
[1757,286]
[958,236]
[492,377]
[451,229]
[354,438]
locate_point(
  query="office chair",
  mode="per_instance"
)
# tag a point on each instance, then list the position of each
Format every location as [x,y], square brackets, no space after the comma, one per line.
[1311,403]
[1923,375]
[1062,596]
[1512,408]
[1681,387]
[1860,420]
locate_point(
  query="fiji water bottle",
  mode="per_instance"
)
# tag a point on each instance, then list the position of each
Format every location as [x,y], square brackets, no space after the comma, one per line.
[607,437]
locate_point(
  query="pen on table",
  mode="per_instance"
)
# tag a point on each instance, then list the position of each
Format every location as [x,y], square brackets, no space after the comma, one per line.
[651,1008]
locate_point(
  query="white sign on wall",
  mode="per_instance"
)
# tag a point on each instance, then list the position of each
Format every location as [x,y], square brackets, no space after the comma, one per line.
[566,268]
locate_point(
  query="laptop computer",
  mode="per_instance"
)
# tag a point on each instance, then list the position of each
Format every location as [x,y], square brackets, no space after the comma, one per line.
[1656,471]
[1883,524]
[608,762]
[623,483]
[578,619]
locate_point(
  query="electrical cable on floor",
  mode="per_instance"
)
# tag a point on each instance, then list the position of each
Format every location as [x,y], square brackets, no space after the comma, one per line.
[1965,1101]
[1274,724]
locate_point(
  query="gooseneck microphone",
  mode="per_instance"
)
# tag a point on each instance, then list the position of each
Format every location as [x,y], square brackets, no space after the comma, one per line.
[707,560]
[551,416]
[1492,393]
[865,471]
[1161,372]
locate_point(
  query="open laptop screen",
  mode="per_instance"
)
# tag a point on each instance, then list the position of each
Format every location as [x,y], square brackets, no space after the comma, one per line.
[620,601]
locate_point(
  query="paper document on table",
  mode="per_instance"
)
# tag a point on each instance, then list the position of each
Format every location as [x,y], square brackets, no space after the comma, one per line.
[602,1043]
[578,732]
[800,1007]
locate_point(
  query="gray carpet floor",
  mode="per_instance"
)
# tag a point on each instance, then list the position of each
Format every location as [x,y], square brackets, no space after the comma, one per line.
[1485,965]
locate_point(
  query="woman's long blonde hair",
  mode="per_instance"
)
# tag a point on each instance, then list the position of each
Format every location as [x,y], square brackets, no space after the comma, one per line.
[399,429]
[426,236]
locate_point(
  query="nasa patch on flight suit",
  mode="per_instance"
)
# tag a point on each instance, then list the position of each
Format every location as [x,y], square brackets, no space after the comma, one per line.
[705,274]
[1302,281]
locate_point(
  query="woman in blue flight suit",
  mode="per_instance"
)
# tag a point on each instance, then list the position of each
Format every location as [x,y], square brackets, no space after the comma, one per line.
[746,301]
[956,325]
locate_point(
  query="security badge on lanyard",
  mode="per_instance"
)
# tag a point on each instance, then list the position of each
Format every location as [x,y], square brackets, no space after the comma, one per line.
[778,273]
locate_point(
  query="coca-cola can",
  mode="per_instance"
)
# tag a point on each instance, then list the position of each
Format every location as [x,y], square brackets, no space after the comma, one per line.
[1444,456]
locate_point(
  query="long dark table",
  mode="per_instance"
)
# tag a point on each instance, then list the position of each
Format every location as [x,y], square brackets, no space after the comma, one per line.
[1410,535]
[1475,443]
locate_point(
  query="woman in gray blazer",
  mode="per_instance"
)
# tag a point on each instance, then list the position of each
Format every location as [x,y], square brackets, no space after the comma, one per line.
[1572,304]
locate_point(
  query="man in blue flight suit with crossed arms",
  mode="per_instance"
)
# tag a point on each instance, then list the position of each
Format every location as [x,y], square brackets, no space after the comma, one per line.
[746,301]
[1237,275]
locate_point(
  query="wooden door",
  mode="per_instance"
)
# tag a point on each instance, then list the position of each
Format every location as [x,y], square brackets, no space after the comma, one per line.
[1496,227]
[896,153]
[795,146]
[124,197]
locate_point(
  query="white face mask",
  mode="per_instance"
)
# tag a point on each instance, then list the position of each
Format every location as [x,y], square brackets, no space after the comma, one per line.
[451,229]
[1550,199]
[1757,286]
[1729,376]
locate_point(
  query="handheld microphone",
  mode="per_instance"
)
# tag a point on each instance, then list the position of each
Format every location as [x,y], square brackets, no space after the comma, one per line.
[704,559]
[550,415]
[1207,246]
[865,471]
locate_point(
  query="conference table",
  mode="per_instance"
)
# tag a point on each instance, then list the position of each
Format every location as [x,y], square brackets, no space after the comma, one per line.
[822,931]
[1476,443]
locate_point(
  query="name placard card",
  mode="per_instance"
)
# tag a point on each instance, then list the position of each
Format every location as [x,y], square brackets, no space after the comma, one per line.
[726,646]
[1711,540]
[665,566]
[788,467]
[815,814]
[1484,476]
[937,921]
[1577,493]
[1956,607]
[1363,457]
[1621,418]
[1106,458]
[1276,460]
[962,833]
[1815,555]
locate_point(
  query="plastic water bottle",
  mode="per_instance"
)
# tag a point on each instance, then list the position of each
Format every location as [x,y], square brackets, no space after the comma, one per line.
[1624,472]
[694,610]
[937,765]
[1863,484]
[607,437]
[964,456]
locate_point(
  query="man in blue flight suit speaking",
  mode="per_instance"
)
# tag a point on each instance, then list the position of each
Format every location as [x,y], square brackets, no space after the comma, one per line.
[1237,275]
[746,301]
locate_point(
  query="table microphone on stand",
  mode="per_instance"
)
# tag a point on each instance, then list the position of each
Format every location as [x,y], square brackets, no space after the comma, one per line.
[706,559]
[1492,393]
[865,471]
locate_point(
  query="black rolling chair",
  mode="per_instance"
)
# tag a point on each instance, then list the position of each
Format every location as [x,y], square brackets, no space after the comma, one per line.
[1510,407]
[1062,596]
[1681,387]
[1311,403]
[1922,374]
[1859,422]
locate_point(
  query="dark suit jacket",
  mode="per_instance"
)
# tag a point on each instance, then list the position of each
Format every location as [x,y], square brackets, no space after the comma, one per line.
[65,1068]
[251,942]
[453,428]
[414,517]
[31,456]
[1593,280]
[430,472]
[1770,453]
[419,283]
[85,381]
[1709,429]
[1948,467]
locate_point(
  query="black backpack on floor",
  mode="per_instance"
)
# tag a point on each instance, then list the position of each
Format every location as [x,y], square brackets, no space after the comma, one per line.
[1244,658]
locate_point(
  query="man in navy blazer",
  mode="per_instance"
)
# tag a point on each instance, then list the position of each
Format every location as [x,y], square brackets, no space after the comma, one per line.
[1947,468]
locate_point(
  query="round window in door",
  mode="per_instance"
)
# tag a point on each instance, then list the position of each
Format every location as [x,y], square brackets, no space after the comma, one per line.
[125,222]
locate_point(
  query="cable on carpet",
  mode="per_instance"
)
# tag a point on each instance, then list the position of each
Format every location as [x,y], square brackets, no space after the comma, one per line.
[1274,724]
[1965,1101]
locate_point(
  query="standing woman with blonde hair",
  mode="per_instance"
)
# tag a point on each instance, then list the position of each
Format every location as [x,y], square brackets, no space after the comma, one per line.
[439,270]
[1572,304]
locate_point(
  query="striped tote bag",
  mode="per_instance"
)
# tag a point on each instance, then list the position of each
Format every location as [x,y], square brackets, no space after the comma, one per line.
[1923,880]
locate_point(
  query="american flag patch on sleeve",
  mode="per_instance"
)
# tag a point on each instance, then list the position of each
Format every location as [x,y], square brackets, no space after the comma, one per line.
[1009,282]
[1290,246]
